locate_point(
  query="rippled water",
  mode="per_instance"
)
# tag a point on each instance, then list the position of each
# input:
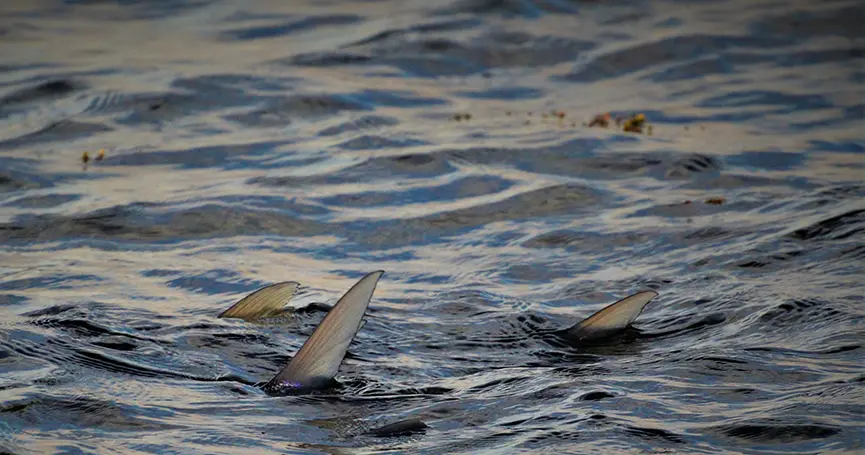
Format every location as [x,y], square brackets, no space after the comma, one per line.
[251,143]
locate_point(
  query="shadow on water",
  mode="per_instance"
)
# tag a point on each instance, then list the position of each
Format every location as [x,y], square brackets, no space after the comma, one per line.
[461,147]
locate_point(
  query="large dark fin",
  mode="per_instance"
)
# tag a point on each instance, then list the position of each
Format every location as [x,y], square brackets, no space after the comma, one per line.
[266,302]
[318,360]
[611,320]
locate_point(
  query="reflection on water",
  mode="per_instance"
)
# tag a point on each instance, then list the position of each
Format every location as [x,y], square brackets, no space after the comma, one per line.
[252,143]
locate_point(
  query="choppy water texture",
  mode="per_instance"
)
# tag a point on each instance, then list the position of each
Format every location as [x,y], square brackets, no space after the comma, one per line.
[248,143]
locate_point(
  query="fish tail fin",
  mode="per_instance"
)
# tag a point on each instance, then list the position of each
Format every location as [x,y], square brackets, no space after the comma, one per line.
[612,319]
[268,301]
[318,360]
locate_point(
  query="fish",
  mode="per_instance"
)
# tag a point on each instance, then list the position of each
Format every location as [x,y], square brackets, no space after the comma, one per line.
[610,321]
[317,362]
[401,428]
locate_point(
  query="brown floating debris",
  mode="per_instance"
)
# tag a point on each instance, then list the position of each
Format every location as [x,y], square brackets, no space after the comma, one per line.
[715,200]
[461,116]
[85,157]
[602,120]
[635,124]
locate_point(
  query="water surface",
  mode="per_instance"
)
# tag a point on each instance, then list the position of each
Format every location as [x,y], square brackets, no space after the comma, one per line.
[248,143]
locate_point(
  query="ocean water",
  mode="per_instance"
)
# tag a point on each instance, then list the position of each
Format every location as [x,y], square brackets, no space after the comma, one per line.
[449,144]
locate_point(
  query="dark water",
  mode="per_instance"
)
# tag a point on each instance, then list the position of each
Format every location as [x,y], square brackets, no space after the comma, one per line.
[251,143]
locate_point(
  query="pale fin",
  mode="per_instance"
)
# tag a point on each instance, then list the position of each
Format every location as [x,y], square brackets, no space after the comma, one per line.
[318,360]
[266,302]
[612,319]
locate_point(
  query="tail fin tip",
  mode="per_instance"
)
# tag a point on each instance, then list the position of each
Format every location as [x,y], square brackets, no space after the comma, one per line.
[268,301]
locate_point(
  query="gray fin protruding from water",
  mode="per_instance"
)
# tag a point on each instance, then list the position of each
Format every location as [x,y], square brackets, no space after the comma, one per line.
[266,302]
[611,320]
[318,360]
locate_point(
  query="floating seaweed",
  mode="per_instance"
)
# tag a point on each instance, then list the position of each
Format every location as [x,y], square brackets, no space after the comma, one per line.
[601,120]
[634,124]
[461,116]
[85,157]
